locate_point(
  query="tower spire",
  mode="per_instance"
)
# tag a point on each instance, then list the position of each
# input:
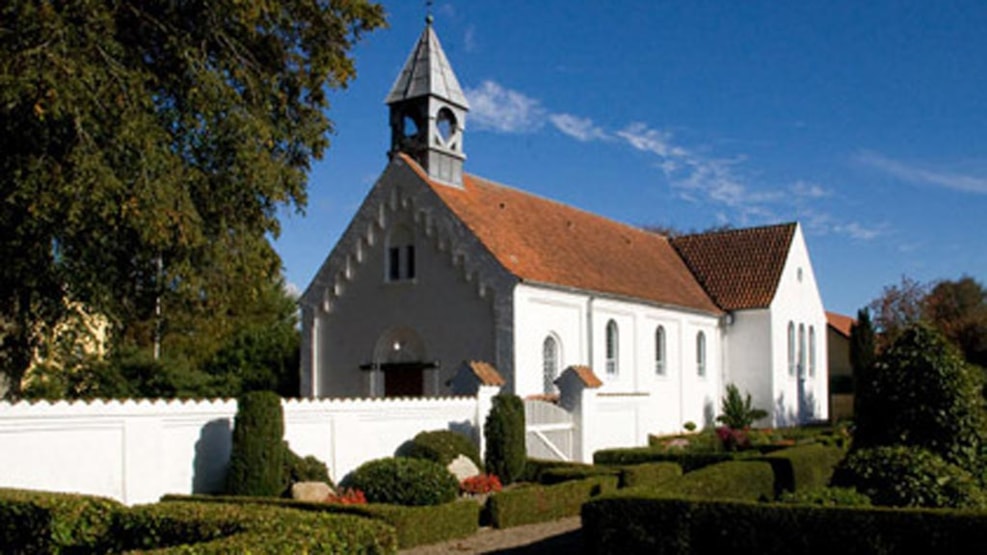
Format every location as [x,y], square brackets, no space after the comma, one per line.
[428,110]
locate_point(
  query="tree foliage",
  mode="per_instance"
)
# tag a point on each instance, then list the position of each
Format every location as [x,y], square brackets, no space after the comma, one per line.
[921,393]
[147,146]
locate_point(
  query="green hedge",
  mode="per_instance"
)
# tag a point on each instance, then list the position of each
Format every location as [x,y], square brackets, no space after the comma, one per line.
[48,522]
[637,521]
[404,481]
[414,525]
[688,461]
[257,455]
[248,528]
[649,474]
[743,480]
[804,467]
[533,468]
[529,504]
[551,476]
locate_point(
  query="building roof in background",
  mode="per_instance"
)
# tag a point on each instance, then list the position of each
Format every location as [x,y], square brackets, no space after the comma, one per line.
[840,323]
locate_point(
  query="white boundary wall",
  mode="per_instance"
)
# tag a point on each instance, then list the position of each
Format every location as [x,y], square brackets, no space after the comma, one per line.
[137,451]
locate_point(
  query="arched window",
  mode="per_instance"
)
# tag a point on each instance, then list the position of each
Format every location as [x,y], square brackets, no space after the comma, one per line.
[812,351]
[612,348]
[791,348]
[550,364]
[400,254]
[801,349]
[701,354]
[660,351]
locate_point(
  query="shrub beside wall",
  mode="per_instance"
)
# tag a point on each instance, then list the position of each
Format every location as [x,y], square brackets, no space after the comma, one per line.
[504,429]
[441,446]
[404,481]
[257,457]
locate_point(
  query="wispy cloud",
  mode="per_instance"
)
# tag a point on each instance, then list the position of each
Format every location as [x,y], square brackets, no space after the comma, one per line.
[808,190]
[923,176]
[692,172]
[469,38]
[503,110]
[581,129]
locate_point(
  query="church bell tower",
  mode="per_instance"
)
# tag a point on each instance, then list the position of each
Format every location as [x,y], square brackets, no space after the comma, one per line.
[428,111]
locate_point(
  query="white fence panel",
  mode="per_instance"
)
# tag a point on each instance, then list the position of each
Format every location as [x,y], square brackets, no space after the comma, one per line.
[549,431]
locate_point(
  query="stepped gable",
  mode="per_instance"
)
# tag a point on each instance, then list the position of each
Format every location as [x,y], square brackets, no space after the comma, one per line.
[546,242]
[739,268]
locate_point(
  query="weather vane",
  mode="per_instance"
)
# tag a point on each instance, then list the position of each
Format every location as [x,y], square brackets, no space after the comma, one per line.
[428,12]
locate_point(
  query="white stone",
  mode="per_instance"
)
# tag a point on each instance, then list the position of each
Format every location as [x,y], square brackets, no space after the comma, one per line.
[462,467]
[311,491]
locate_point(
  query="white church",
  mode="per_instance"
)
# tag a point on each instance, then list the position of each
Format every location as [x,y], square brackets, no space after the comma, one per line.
[442,272]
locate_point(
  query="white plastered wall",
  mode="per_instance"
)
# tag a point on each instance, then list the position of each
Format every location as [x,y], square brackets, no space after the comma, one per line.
[661,403]
[797,300]
[750,360]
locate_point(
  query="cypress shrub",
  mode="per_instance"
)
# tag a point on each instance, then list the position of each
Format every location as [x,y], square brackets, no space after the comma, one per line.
[257,459]
[504,430]
[441,446]
[404,481]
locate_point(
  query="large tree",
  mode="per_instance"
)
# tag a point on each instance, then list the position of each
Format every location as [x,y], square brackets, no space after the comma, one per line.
[147,146]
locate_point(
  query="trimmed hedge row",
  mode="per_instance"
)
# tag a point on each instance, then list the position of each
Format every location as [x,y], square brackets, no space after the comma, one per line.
[226,528]
[804,467]
[551,476]
[414,525]
[649,474]
[742,480]
[441,446]
[533,468]
[638,521]
[537,503]
[688,461]
[48,522]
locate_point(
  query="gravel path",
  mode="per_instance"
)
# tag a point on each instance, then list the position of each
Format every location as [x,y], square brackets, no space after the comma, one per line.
[558,536]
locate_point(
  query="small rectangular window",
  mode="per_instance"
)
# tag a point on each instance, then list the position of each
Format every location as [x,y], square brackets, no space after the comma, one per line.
[394,264]
[410,250]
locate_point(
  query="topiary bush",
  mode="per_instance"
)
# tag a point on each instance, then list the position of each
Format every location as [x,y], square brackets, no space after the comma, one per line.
[303,469]
[504,430]
[441,446]
[921,393]
[404,481]
[902,476]
[257,457]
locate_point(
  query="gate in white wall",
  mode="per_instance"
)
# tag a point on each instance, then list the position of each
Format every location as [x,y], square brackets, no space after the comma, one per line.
[549,431]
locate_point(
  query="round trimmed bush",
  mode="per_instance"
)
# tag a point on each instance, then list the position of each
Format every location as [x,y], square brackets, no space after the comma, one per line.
[902,476]
[404,481]
[304,469]
[442,446]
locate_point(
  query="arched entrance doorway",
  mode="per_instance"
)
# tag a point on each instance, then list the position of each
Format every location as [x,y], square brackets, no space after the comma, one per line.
[399,364]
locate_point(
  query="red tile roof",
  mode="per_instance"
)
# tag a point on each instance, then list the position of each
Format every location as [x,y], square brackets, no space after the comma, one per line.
[485,373]
[739,268]
[839,322]
[543,241]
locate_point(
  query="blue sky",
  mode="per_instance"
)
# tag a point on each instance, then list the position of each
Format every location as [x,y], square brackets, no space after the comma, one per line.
[865,121]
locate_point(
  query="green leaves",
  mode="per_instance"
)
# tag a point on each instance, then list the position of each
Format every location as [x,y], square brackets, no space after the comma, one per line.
[136,133]
[738,413]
